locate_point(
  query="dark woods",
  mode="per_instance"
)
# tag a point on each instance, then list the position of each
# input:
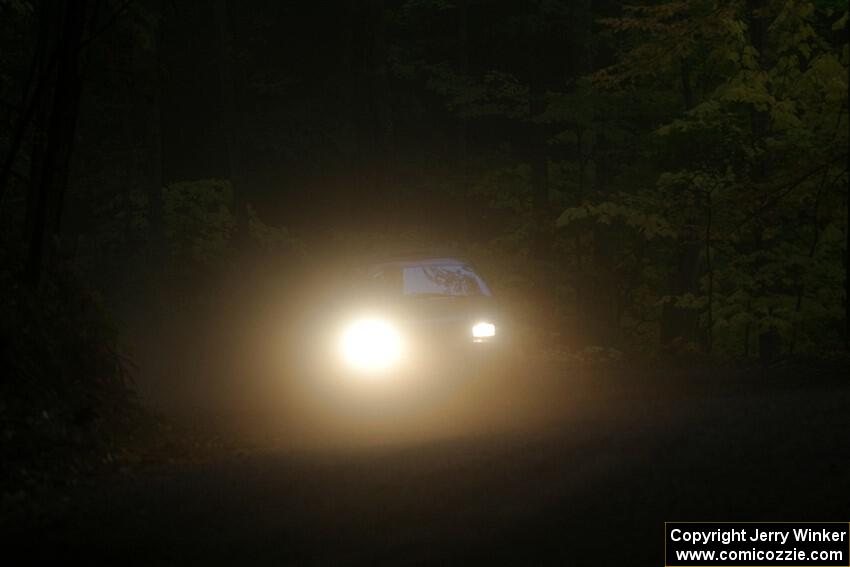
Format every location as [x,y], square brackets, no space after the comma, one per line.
[650,177]
[49,103]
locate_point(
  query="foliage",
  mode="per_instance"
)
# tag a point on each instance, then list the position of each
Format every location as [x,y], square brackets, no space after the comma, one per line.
[65,396]
[763,147]
[699,168]
[199,224]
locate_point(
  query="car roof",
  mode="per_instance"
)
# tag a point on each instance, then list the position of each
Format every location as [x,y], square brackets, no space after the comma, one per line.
[408,261]
[420,260]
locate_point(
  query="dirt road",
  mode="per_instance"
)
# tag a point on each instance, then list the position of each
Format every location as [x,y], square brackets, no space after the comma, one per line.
[590,484]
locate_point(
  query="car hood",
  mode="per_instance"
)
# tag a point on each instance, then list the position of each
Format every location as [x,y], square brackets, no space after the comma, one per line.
[438,311]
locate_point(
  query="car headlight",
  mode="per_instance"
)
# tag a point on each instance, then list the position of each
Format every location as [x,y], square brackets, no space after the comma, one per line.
[371,344]
[483,330]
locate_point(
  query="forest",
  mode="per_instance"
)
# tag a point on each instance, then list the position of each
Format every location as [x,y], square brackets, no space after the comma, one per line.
[647,181]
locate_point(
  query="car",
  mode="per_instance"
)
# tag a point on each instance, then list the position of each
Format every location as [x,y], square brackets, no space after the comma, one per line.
[390,347]
[401,324]
[420,311]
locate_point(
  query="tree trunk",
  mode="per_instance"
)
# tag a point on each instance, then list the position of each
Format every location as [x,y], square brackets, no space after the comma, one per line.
[680,326]
[463,68]
[43,60]
[847,237]
[709,270]
[583,52]
[602,292]
[537,150]
[381,162]
[33,98]
[769,341]
[156,180]
[47,195]
[224,18]
[847,271]
[468,205]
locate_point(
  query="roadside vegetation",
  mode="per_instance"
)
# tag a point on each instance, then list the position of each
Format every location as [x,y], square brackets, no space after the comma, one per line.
[665,180]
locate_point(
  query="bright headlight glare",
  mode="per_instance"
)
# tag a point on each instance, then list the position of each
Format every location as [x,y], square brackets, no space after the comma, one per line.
[483,329]
[371,344]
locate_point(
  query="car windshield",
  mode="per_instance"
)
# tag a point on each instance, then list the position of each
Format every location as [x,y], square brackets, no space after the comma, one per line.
[450,280]
[427,280]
